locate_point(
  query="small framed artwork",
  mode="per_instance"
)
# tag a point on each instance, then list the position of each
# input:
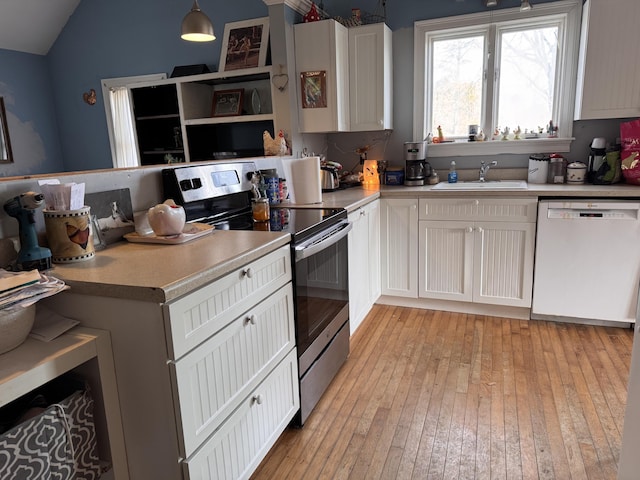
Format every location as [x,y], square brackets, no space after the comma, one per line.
[314,89]
[245,44]
[227,103]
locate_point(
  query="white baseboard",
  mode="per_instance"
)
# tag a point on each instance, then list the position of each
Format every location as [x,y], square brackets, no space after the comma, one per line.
[519,313]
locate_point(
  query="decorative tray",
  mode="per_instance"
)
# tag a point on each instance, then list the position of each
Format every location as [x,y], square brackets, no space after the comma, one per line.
[190,232]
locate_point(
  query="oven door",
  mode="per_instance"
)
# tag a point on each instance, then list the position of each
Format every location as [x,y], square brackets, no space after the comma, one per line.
[322,291]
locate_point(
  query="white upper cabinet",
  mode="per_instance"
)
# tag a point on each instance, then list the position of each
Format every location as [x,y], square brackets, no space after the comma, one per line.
[355,65]
[322,67]
[608,70]
[370,77]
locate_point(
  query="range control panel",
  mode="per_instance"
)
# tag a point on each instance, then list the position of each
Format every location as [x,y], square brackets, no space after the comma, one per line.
[203,182]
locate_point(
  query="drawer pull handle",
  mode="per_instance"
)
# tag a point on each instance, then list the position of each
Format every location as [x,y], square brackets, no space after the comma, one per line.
[258,399]
[247,272]
[469,229]
[251,319]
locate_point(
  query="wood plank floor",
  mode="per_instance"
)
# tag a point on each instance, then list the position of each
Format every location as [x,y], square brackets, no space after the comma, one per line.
[430,394]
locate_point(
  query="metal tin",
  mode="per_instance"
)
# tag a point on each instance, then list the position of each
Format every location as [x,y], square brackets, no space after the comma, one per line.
[557,169]
[394,176]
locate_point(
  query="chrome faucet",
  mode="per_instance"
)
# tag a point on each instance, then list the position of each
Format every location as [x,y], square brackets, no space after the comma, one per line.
[484,169]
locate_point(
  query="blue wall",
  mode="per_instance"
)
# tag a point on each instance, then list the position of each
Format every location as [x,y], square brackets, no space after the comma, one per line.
[31,119]
[119,38]
[122,38]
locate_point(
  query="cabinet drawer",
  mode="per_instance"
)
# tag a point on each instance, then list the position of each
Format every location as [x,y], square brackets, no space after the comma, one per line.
[197,316]
[236,449]
[469,208]
[212,379]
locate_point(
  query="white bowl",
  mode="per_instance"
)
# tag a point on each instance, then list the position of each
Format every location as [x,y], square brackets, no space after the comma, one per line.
[15,326]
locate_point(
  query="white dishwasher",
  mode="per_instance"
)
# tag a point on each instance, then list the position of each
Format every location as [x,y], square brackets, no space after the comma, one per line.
[587,264]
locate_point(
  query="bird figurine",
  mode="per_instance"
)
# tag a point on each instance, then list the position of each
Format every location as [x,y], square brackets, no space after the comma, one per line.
[274,146]
[77,235]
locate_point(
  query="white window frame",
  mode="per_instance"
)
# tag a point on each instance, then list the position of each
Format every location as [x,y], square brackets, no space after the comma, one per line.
[107,85]
[567,12]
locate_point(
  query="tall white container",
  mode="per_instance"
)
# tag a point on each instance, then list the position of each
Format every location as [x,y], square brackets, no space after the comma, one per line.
[538,169]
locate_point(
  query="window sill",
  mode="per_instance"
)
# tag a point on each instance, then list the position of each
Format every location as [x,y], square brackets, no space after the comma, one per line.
[496,147]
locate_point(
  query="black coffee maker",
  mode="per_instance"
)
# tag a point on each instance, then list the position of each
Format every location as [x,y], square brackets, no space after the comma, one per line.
[596,157]
[417,168]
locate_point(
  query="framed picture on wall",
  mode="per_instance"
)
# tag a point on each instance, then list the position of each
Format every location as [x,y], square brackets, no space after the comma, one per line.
[313,88]
[245,44]
[227,102]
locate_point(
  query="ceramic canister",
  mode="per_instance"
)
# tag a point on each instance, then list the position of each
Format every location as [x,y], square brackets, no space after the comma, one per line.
[576,172]
[69,234]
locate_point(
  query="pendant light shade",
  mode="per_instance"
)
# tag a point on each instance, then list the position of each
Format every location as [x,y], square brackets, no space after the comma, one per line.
[525,5]
[196,26]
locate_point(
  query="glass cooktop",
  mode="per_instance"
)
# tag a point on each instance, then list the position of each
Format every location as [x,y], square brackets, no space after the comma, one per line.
[299,222]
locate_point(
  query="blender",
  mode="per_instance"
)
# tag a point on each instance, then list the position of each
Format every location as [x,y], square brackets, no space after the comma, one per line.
[418,169]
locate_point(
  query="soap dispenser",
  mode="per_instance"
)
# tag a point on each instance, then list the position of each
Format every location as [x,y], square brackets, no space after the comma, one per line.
[453,175]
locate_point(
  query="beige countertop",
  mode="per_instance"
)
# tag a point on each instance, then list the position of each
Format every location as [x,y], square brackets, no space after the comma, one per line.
[161,273]
[352,198]
[619,190]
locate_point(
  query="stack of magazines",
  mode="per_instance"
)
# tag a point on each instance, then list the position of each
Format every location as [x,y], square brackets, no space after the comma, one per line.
[21,289]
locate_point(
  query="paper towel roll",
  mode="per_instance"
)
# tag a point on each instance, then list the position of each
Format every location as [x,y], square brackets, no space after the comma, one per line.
[303,179]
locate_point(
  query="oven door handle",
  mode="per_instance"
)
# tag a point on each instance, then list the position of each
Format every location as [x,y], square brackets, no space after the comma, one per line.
[322,241]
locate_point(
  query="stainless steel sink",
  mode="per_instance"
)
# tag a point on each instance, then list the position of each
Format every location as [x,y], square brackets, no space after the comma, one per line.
[487,185]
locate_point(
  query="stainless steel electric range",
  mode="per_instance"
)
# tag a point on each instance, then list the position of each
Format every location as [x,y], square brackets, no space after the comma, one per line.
[220,194]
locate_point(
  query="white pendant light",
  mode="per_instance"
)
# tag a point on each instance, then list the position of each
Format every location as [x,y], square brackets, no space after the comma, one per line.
[196,26]
[525,5]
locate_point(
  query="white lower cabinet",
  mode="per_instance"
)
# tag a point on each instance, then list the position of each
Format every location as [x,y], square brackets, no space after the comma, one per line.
[399,246]
[212,379]
[207,382]
[477,250]
[239,445]
[364,265]
[238,389]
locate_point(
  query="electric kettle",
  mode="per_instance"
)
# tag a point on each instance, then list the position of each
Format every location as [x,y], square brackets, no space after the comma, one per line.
[329,178]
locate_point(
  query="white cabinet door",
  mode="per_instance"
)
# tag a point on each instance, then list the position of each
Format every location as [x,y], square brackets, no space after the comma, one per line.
[446,260]
[503,263]
[608,69]
[364,262]
[370,77]
[322,48]
[399,246]
[373,222]
[358,268]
